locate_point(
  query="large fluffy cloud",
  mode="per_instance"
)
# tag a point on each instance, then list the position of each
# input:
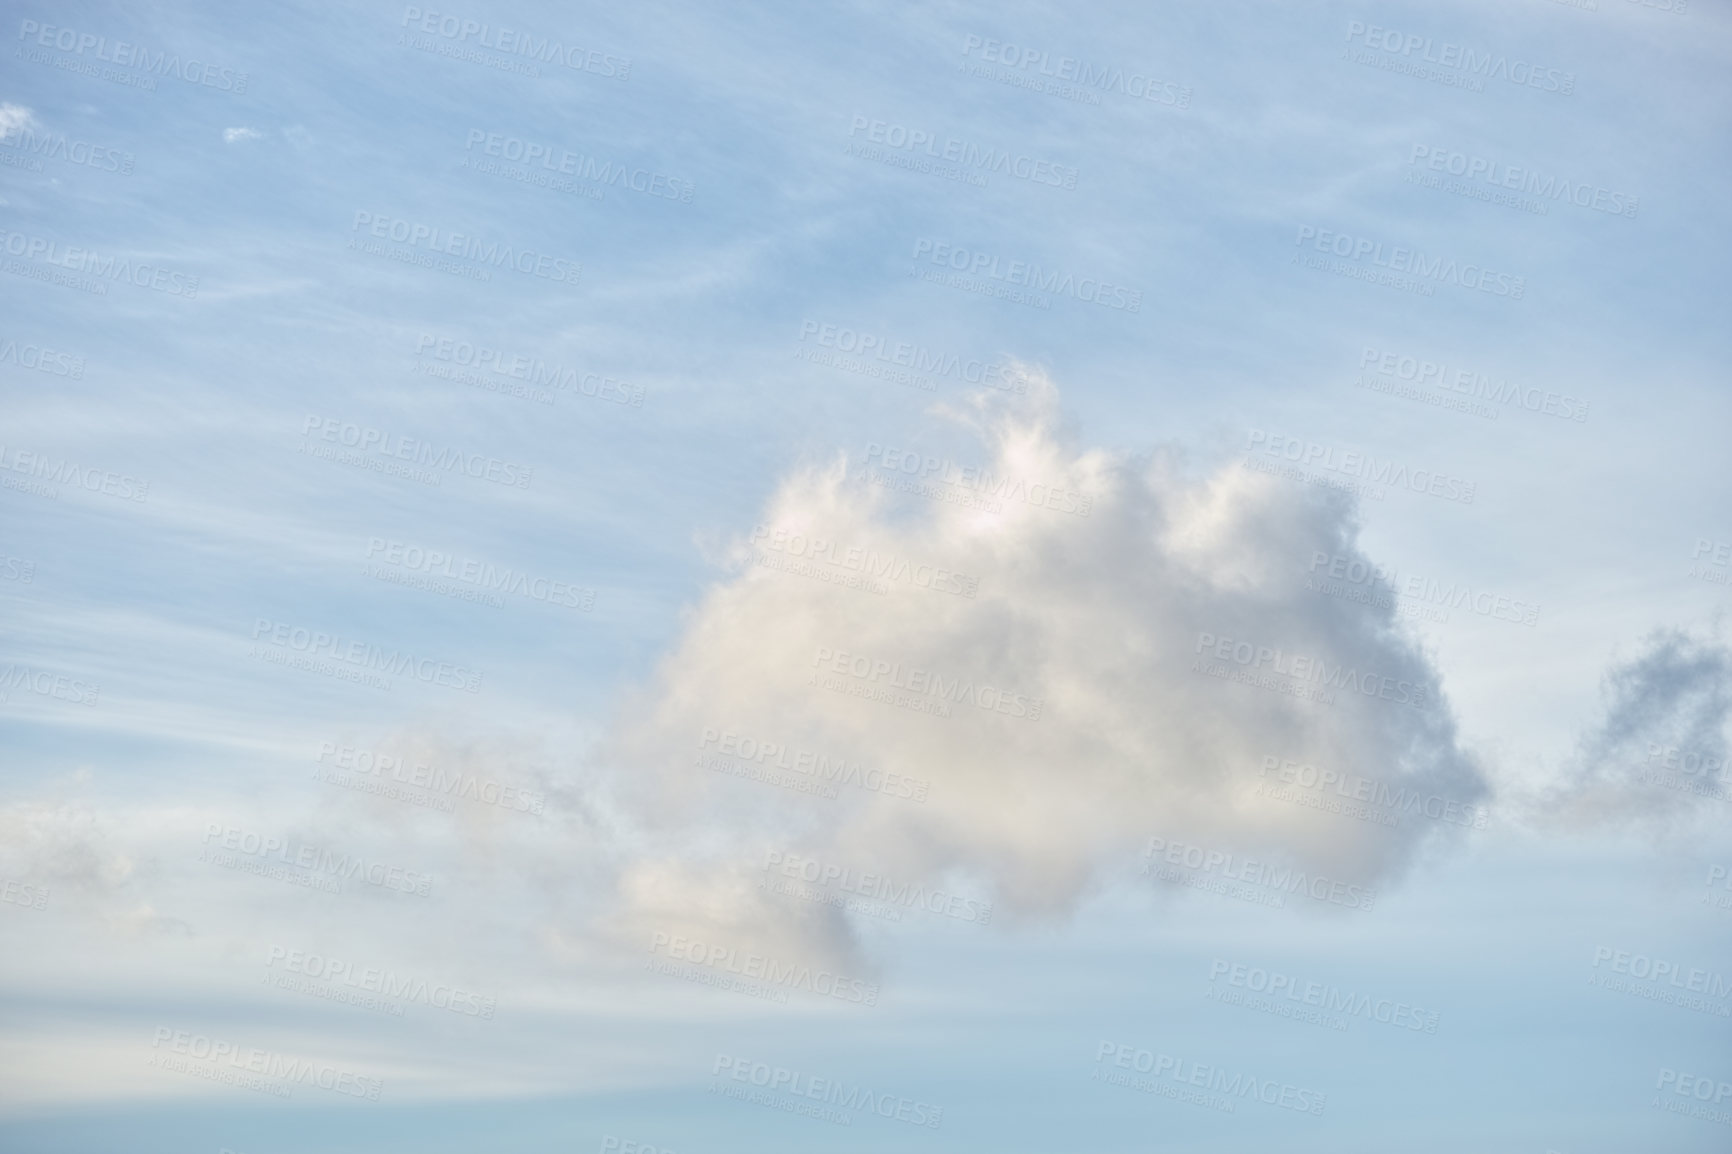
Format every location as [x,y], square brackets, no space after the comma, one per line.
[1075,649]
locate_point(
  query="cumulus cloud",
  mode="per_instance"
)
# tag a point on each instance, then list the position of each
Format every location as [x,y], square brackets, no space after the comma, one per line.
[1070,649]
[1658,750]
[240,135]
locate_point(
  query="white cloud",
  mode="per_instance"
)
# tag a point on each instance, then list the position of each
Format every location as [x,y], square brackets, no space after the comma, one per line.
[1098,617]
[240,135]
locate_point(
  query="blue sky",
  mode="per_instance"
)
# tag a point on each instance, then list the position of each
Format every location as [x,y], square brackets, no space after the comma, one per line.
[522,661]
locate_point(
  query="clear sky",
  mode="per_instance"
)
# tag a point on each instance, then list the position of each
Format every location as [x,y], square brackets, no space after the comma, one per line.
[690,578]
